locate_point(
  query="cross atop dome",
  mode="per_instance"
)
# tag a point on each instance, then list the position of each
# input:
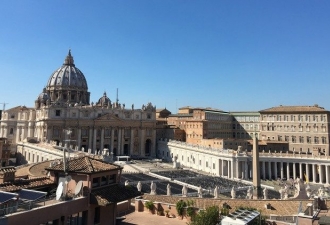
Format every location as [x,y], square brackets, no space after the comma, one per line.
[69,59]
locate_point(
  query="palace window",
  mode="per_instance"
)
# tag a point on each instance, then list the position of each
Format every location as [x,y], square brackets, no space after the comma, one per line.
[323,128]
[324,140]
[316,140]
[57,112]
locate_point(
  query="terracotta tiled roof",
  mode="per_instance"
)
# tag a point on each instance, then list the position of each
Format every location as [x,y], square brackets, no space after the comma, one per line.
[84,164]
[112,194]
[7,169]
[26,184]
[289,109]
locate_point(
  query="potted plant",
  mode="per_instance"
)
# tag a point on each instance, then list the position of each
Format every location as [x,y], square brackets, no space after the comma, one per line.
[167,213]
[190,211]
[160,212]
[180,205]
[149,205]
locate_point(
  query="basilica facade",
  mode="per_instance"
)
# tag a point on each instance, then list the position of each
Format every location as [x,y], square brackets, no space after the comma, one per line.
[64,104]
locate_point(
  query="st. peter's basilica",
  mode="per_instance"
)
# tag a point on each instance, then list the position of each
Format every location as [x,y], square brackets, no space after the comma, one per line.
[64,104]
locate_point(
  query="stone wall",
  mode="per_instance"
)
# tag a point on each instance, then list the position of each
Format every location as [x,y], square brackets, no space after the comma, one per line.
[277,207]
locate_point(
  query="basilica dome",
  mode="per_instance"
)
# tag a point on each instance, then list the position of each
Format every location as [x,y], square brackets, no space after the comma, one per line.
[68,76]
[67,85]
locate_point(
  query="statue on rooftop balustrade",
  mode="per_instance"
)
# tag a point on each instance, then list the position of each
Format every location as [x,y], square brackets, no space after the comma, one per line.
[233,193]
[184,190]
[168,190]
[139,186]
[153,188]
[200,192]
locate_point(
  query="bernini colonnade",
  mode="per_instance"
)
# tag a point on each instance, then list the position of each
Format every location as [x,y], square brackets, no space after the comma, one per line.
[238,165]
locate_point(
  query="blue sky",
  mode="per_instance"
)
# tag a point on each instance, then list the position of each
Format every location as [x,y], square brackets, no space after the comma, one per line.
[230,55]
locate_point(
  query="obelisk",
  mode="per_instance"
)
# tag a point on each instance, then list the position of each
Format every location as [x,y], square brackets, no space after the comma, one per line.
[256,170]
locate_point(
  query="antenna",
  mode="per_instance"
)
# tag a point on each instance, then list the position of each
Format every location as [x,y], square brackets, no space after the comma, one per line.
[4,105]
[59,191]
[78,188]
[65,149]
[117,100]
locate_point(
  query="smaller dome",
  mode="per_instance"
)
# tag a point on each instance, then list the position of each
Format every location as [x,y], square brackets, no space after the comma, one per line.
[43,97]
[104,100]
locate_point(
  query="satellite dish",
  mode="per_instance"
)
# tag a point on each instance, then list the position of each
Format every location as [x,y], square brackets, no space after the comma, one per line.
[78,187]
[59,191]
[64,190]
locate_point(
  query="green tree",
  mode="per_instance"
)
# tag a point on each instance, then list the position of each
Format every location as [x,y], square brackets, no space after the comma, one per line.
[180,205]
[210,216]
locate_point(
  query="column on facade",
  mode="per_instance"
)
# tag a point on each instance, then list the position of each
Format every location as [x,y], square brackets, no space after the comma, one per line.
[263,170]
[307,173]
[235,161]
[42,138]
[142,138]
[246,170]
[228,169]
[30,129]
[1,131]
[112,139]
[90,137]
[153,141]
[119,141]
[102,139]
[282,171]
[269,170]
[79,139]
[94,140]
[294,171]
[131,146]
[18,134]
[314,172]
[275,170]
[23,134]
[327,174]
[221,167]
[287,170]
[320,174]
[49,133]
[300,172]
